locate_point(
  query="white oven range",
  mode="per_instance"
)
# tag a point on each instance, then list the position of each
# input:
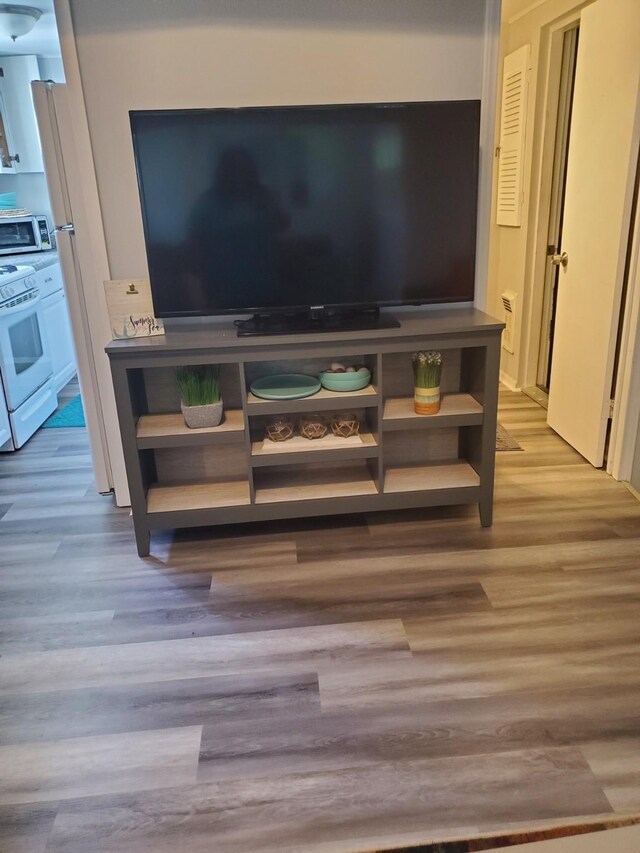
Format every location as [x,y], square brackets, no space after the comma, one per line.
[29,396]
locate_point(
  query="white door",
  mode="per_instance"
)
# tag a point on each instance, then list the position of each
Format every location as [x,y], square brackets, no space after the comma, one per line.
[55,160]
[603,151]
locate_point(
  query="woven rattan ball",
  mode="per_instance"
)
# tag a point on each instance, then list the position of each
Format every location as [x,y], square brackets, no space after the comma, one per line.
[279,429]
[312,426]
[345,426]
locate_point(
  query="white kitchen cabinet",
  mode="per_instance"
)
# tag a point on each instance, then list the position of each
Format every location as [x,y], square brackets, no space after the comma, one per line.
[20,149]
[57,325]
[56,322]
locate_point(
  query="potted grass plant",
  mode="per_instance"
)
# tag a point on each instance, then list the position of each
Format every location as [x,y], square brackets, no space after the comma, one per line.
[427,368]
[200,400]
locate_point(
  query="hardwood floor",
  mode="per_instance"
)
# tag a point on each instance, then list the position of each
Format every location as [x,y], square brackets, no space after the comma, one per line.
[339,685]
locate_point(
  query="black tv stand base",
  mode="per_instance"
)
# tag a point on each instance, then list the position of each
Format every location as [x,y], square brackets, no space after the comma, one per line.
[324,320]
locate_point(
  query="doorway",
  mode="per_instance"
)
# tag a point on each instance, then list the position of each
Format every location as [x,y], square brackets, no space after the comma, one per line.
[37,357]
[569,358]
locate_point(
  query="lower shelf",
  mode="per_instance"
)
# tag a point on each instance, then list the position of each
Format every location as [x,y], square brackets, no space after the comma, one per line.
[309,483]
[455,474]
[299,484]
[189,496]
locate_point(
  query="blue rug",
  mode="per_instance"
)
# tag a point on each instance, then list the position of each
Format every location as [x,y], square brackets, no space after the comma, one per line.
[72,415]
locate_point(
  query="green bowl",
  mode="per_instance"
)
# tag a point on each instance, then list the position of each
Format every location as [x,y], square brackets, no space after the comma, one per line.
[345,381]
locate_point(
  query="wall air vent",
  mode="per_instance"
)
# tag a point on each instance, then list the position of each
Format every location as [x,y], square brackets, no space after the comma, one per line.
[509,299]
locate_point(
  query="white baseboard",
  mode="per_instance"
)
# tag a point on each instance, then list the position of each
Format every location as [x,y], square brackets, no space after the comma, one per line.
[633,490]
[508,382]
[623,840]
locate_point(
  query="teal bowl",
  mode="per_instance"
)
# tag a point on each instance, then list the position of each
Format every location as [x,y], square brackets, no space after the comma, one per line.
[345,381]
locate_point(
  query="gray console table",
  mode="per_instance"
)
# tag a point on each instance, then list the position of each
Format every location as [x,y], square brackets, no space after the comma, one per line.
[183,478]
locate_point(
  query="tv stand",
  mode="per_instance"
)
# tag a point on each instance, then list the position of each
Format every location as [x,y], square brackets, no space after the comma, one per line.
[181,477]
[316,320]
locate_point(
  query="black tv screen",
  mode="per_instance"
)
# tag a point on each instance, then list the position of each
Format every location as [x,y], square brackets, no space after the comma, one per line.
[264,209]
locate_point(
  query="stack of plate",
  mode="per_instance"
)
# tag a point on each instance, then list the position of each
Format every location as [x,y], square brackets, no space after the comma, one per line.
[285,386]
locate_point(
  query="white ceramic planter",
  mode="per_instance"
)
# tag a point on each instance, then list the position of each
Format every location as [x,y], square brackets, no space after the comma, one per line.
[197,417]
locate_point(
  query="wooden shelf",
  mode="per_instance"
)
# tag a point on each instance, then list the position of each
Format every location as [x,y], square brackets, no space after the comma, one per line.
[456,474]
[323,400]
[302,450]
[455,410]
[170,430]
[179,497]
[297,484]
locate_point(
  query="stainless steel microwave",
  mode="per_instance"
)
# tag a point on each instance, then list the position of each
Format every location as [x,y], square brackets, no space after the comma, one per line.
[24,234]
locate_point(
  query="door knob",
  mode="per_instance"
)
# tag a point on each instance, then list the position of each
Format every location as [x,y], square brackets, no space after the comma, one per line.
[560,260]
[66,229]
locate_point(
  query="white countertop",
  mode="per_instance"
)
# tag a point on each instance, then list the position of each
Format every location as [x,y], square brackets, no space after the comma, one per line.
[37,260]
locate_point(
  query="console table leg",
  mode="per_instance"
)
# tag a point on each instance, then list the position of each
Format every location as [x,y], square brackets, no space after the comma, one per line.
[143,541]
[486,512]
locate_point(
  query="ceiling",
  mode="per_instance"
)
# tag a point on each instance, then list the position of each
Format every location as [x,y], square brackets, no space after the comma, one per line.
[43,38]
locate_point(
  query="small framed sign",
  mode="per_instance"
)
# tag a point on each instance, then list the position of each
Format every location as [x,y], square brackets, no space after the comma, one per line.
[130,307]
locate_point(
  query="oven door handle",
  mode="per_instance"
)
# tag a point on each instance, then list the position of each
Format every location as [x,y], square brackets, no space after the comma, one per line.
[34,299]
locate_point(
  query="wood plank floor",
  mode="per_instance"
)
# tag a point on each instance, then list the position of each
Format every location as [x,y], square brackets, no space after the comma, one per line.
[332,686]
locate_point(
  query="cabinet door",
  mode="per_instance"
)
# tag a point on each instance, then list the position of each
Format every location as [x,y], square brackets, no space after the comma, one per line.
[18,117]
[58,332]
[7,156]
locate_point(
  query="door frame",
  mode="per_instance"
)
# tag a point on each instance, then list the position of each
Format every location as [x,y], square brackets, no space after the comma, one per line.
[625,424]
[549,74]
[556,204]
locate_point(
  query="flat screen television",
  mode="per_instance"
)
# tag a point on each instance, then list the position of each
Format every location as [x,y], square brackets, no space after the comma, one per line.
[282,210]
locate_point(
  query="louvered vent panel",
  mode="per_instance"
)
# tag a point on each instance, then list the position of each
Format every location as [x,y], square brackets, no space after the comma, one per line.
[512,126]
[507,303]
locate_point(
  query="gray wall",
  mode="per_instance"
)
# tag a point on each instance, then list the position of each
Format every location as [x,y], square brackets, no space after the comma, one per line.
[200,53]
